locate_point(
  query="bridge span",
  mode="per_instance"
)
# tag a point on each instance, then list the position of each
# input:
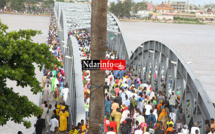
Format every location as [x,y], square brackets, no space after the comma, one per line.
[193,42]
[152,61]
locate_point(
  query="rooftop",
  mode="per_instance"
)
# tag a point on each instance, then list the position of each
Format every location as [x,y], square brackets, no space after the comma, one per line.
[178,2]
[164,7]
[150,6]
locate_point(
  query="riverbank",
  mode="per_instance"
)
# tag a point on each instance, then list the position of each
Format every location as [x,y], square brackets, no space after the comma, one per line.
[177,22]
[46,15]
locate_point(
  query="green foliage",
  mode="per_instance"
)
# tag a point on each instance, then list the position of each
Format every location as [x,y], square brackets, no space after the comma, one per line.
[185,19]
[121,9]
[34,8]
[17,4]
[68,1]
[48,3]
[126,7]
[18,57]
[113,8]
[139,6]
[31,3]
[3,3]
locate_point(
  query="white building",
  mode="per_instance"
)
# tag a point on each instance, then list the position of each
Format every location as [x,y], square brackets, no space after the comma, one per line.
[180,6]
[143,13]
[206,15]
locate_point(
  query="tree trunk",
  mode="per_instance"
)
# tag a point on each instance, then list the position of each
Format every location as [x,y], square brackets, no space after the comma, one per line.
[97,77]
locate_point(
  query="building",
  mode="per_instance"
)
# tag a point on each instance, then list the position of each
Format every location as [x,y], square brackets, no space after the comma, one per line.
[143,14]
[165,9]
[164,12]
[150,7]
[180,6]
[206,16]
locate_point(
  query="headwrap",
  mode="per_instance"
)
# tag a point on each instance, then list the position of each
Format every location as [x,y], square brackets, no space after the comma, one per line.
[63,107]
[163,113]
[58,106]
[169,129]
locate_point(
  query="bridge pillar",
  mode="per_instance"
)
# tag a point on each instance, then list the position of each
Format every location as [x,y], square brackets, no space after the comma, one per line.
[156,69]
[188,105]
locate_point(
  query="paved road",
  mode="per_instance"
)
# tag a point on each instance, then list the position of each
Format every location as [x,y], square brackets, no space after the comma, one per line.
[194,42]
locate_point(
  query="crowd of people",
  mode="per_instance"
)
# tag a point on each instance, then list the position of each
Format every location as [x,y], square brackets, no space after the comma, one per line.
[132,106]
[55,91]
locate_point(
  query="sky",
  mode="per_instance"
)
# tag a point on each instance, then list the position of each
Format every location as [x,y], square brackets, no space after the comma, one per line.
[196,2]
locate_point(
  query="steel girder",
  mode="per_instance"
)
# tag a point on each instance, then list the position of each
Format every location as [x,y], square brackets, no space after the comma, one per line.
[165,65]
[153,61]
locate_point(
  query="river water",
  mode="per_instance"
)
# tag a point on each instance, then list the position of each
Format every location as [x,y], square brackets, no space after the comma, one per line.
[195,43]
[16,22]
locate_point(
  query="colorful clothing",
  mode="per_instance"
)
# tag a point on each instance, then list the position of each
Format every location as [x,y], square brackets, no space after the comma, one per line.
[74,132]
[108,105]
[53,83]
[117,116]
[114,107]
[63,120]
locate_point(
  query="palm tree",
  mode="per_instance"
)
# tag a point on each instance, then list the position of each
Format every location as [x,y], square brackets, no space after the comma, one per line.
[98,49]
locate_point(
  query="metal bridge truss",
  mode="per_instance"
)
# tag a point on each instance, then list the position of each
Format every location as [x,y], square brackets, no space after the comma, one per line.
[153,61]
[161,64]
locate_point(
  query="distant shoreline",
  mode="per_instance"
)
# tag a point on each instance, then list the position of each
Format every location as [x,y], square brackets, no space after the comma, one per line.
[45,15]
[133,20]
[124,20]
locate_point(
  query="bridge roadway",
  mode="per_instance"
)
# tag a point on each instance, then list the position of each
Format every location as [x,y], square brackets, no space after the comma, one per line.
[194,42]
[151,58]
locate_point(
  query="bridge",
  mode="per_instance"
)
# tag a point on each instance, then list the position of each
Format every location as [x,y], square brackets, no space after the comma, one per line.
[152,61]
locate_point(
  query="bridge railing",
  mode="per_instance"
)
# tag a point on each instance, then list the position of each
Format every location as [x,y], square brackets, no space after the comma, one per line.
[73,73]
[117,42]
[162,65]
[72,68]
[153,61]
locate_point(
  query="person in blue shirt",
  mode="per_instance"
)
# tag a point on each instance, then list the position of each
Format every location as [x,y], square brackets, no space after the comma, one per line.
[129,82]
[121,74]
[136,84]
[116,73]
[140,98]
[152,118]
[44,72]
[108,105]
[55,52]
